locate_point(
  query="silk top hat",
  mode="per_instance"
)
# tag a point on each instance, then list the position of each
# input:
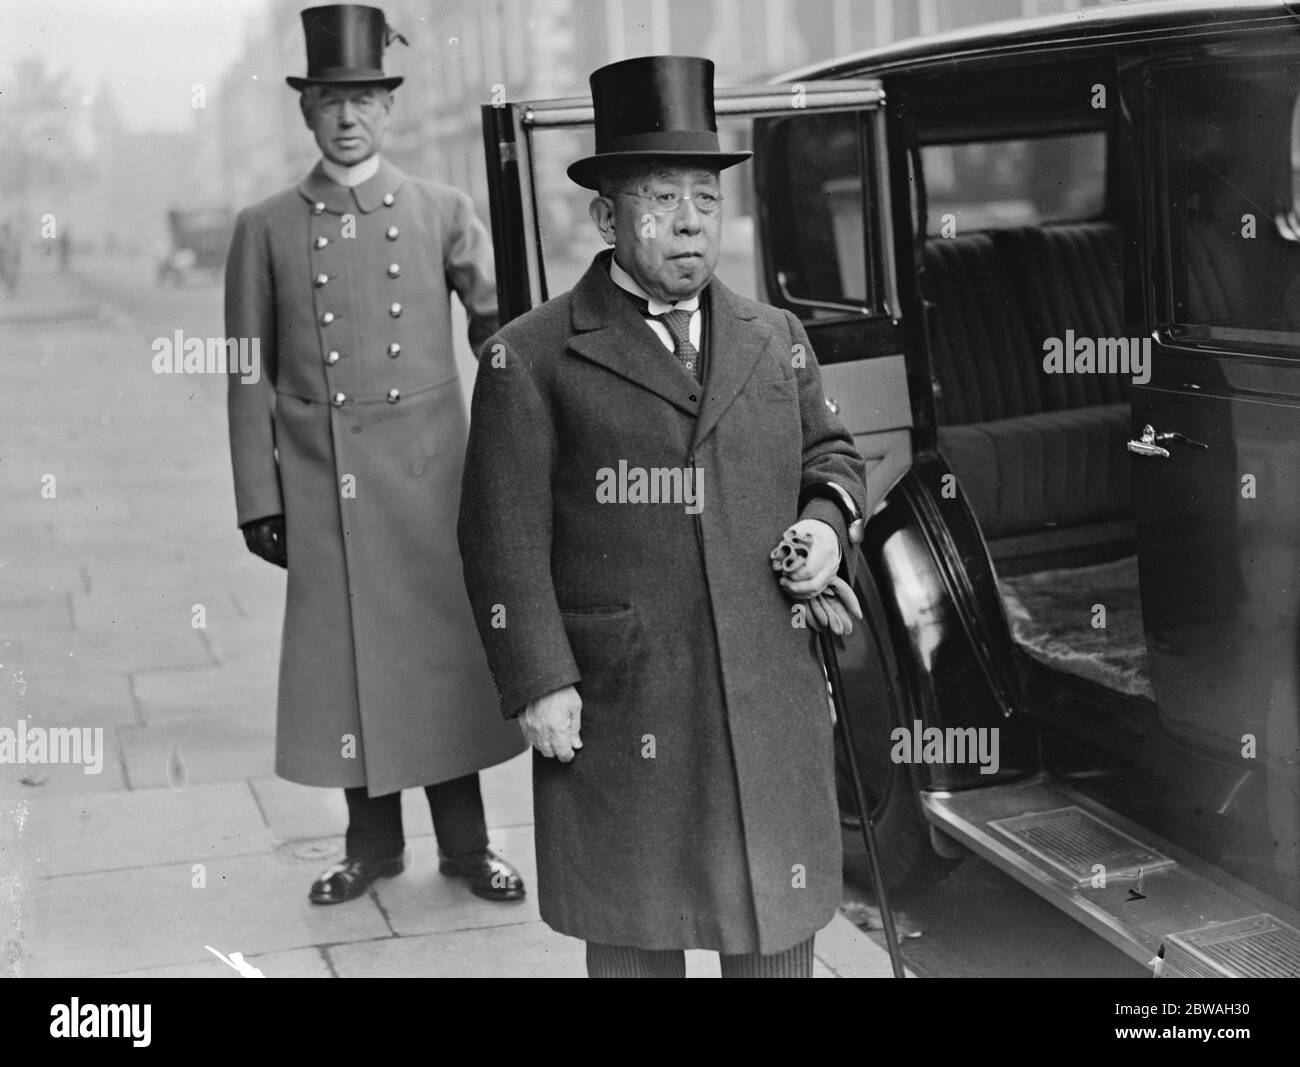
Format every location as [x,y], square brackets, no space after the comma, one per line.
[345,46]
[650,108]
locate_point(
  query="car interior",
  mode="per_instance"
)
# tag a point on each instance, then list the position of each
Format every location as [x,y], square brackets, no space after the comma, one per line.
[1023,246]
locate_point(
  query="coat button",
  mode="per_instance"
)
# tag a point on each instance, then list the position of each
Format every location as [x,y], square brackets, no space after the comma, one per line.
[394,396]
[388,199]
[394,350]
[391,233]
[318,208]
[337,399]
[395,310]
[331,357]
[327,318]
[321,242]
[394,270]
[320,280]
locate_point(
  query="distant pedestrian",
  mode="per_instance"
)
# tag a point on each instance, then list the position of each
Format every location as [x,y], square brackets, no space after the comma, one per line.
[11,256]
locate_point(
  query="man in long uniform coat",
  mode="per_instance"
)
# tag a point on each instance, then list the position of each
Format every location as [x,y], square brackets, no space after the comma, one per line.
[637,448]
[347,454]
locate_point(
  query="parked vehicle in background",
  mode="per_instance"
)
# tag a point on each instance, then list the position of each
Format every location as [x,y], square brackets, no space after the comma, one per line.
[200,238]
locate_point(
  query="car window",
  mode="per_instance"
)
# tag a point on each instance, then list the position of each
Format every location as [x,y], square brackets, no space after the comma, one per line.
[825,255]
[985,185]
[1232,229]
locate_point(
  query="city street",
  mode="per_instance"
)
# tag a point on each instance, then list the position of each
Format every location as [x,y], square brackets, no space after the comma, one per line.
[128,603]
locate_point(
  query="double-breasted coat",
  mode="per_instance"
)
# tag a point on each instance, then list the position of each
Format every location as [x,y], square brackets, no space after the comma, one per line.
[355,432]
[700,811]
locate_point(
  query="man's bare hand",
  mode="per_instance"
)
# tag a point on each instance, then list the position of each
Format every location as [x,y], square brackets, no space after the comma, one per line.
[552,723]
[816,572]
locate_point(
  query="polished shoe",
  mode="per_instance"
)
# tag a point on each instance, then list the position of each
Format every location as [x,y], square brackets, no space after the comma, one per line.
[489,876]
[348,880]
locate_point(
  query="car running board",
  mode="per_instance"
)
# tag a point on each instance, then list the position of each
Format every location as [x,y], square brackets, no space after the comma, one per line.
[1132,887]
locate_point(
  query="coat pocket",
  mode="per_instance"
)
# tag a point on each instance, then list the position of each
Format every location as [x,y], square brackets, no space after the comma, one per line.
[604,644]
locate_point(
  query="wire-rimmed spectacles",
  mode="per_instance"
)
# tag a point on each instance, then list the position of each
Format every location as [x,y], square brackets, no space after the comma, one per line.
[706,202]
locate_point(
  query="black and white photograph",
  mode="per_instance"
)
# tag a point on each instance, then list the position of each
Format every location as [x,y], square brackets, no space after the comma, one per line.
[651,489]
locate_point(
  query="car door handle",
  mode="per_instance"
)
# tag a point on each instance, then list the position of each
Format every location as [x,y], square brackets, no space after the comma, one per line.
[1174,436]
[1146,444]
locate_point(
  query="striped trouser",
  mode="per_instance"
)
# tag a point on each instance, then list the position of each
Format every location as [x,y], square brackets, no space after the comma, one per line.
[619,961]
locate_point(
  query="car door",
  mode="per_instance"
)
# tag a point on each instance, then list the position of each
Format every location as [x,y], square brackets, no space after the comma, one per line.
[1216,452]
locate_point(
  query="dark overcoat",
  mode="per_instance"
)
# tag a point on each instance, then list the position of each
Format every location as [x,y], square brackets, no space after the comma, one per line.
[700,811]
[355,431]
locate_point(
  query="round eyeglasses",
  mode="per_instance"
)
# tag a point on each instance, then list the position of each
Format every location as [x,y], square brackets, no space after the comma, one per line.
[706,203]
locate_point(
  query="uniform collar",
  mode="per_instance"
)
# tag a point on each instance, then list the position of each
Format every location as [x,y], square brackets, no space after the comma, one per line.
[318,188]
[351,176]
[624,280]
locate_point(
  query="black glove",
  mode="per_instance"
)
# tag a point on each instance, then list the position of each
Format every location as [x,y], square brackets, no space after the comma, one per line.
[265,538]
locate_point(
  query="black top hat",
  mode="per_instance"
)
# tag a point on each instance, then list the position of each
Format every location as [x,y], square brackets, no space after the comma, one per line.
[345,45]
[653,107]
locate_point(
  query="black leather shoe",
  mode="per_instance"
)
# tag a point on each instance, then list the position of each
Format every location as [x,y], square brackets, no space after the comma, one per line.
[348,880]
[489,876]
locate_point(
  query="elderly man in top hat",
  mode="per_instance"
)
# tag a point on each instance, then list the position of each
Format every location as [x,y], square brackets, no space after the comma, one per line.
[347,454]
[638,446]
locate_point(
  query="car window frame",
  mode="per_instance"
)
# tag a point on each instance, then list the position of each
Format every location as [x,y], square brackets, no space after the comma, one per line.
[509,129]
[1160,99]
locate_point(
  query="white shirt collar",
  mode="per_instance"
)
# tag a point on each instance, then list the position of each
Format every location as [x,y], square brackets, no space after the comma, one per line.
[353,175]
[624,280]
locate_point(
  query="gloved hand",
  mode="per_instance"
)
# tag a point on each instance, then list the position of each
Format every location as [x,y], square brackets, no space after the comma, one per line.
[829,605]
[265,538]
[815,558]
[834,608]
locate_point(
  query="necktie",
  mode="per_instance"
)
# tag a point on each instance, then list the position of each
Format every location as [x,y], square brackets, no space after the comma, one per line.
[679,328]
[678,325]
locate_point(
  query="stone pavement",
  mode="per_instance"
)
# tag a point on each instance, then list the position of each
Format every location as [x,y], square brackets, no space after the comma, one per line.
[128,605]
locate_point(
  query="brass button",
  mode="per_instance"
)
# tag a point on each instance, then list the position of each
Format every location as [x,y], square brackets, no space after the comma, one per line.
[394,350]
[395,310]
[394,270]
[318,208]
[331,357]
[321,242]
[327,318]
[320,280]
[388,199]
[337,399]
[391,233]
[394,396]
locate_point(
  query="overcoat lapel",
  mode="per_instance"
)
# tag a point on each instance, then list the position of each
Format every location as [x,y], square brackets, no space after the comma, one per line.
[736,342]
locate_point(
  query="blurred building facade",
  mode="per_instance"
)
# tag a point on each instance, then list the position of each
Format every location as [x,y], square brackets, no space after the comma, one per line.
[459,51]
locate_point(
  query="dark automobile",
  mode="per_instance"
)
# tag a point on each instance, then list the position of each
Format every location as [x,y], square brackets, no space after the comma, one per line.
[1051,270]
[199,240]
